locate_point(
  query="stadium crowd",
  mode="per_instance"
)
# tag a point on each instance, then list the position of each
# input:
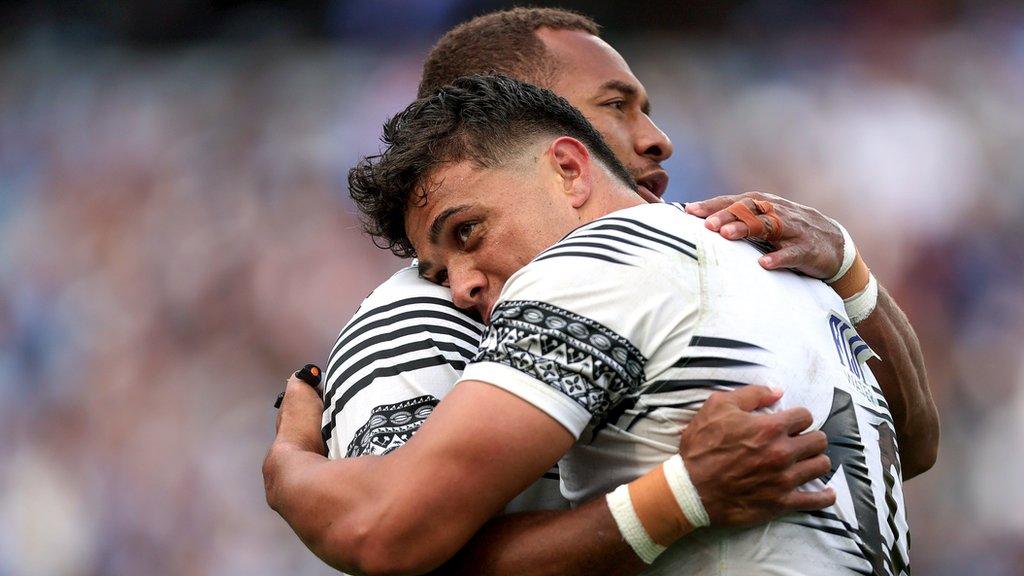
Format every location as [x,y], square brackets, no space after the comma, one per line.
[176,237]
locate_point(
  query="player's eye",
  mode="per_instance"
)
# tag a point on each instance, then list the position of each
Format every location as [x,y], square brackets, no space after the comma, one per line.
[617,104]
[464,231]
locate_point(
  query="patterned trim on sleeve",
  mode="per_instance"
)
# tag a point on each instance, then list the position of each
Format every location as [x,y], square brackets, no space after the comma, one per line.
[391,426]
[577,356]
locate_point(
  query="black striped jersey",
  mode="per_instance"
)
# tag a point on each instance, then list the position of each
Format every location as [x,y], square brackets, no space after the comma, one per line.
[622,330]
[396,359]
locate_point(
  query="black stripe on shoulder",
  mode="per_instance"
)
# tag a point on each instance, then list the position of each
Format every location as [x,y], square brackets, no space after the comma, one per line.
[603,225]
[427,344]
[551,475]
[585,234]
[384,372]
[426,330]
[711,362]
[653,230]
[453,315]
[594,256]
[714,342]
[581,242]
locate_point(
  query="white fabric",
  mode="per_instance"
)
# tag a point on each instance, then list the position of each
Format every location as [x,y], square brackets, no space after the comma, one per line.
[632,530]
[849,254]
[696,313]
[568,413]
[381,403]
[685,492]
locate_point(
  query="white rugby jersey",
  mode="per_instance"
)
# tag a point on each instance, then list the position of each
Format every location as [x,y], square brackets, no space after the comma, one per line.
[402,352]
[620,332]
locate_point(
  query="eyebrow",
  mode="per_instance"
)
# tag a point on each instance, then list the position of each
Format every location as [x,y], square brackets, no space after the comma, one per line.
[438,223]
[630,90]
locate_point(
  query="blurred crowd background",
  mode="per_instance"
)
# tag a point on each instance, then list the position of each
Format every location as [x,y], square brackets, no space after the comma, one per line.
[176,237]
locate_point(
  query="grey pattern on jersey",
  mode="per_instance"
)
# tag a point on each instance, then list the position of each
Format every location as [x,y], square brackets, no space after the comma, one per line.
[573,354]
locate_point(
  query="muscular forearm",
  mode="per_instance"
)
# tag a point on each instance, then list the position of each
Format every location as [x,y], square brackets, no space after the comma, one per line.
[582,541]
[900,372]
[296,489]
[339,508]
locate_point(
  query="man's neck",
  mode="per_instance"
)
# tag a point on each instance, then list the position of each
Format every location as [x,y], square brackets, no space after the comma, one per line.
[614,197]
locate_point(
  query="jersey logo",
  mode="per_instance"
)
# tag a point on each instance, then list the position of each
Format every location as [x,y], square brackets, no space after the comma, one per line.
[853,352]
[390,426]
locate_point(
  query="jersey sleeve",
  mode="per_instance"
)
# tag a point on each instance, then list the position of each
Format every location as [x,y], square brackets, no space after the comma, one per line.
[392,363]
[571,331]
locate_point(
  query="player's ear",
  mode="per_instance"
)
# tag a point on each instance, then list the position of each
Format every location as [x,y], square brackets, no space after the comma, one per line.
[571,161]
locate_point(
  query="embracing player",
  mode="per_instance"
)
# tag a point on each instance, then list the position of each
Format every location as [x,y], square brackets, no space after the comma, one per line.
[491,174]
[403,366]
[408,344]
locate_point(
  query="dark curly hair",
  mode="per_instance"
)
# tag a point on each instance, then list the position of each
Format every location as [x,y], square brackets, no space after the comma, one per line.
[502,42]
[483,118]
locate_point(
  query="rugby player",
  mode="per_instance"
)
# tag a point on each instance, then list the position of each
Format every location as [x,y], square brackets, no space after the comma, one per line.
[404,366]
[564,35]
[491,174]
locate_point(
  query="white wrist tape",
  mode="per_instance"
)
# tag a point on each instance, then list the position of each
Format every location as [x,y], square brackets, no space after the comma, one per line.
[849,254]
[621,506]
[862,304]
[685,492]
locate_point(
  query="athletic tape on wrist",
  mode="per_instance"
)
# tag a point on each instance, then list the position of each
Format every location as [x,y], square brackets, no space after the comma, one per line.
[685,492]
[621,506]
[849,253]
[861,305]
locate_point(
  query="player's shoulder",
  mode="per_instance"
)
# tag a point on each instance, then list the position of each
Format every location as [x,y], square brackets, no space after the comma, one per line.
[622,247]
[404,306]
[629,237]
[616,278]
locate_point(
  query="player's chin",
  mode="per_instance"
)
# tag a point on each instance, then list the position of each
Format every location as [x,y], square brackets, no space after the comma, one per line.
[651,186]
[647,195]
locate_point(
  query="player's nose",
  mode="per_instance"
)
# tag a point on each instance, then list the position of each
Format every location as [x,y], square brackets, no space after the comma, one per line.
[468,290]
[650,141]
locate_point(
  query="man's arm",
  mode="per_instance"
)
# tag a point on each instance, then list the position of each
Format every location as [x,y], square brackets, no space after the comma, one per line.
[746,468]
[813,245]
[479,448]
[900,372]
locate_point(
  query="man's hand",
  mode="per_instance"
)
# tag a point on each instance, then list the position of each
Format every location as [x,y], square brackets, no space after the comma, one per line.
[297,426]
[747,466]
[810,242]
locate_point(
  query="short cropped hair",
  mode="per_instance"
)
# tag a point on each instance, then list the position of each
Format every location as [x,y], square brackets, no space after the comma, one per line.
[486,119]
[504,42]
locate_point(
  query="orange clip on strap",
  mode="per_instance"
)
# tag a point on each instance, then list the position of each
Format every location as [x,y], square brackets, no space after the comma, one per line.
[652,497]
[855,279]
